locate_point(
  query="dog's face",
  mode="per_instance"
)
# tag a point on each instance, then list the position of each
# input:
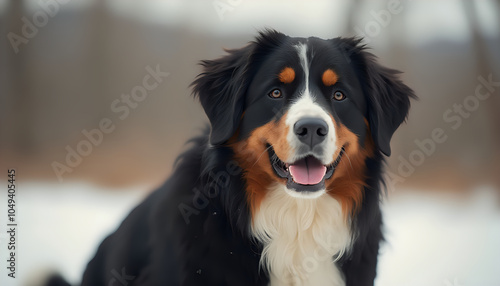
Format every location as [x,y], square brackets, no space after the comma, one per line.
[305,106]
[302,113]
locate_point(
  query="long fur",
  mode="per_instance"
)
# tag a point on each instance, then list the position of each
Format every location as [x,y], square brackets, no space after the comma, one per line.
[300,237]
[199,228]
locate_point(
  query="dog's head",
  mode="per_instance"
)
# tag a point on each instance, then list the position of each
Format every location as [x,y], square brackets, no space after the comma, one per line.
[303,113]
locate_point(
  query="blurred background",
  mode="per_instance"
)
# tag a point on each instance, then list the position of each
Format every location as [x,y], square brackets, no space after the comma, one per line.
[68,68]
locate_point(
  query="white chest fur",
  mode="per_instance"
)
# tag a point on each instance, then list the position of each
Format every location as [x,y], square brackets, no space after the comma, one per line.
[301,238]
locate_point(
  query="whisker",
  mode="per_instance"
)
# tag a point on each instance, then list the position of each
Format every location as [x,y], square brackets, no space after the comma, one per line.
[260,156]
[347,155]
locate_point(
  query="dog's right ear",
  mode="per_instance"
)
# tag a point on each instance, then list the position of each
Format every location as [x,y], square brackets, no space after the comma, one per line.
[222,85]
[220,88]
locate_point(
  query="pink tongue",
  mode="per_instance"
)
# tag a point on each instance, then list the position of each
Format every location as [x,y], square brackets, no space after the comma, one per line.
[307,171]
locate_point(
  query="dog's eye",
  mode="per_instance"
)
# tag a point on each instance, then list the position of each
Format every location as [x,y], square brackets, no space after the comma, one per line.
[338,95]
[275,93]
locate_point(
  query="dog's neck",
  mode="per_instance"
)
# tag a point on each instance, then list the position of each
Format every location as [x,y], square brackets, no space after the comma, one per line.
[301,237]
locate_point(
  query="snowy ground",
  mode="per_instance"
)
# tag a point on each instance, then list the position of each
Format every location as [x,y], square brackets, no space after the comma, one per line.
[441,240]
[433,239]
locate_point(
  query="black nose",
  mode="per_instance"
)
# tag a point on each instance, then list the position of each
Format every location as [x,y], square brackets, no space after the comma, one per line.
[311,131]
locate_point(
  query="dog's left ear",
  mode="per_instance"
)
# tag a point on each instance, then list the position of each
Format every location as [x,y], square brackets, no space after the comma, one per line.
[389,98]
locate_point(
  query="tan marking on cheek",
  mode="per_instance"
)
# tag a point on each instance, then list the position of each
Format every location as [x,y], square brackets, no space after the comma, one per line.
[287,75]
[329,77]
[348,181]
[252,156]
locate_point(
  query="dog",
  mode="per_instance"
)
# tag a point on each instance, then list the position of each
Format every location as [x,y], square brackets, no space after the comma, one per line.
[284,186]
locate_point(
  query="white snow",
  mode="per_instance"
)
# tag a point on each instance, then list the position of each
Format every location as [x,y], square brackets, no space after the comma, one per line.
[433,239]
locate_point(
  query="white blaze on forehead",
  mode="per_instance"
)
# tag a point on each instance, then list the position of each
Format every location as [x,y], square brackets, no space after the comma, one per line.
[306,106]
[302,51]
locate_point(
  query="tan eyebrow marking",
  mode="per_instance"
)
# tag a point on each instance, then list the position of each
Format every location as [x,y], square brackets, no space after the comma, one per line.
[287,75]
[329,77]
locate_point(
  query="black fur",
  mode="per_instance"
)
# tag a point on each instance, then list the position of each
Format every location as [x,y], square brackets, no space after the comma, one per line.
[387,96]
[194,230]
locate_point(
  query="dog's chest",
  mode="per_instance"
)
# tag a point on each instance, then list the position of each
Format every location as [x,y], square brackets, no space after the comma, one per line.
[301,238]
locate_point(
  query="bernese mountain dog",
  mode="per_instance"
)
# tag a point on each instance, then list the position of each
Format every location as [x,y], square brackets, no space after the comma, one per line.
[284,187]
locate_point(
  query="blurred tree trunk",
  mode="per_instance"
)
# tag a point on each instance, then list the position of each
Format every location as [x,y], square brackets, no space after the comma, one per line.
[17,121]
[354,6]
[482,59]
[484,69]
[99,64]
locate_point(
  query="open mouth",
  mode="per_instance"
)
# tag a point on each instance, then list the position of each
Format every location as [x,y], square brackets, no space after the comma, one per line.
[305,175]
